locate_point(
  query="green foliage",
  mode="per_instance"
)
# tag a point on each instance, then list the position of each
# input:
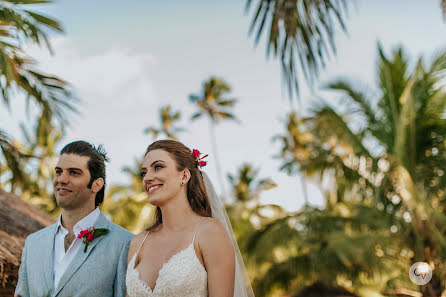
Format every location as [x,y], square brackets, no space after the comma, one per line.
[52,95]
[245,185]
[246,213]
[168,117]
[126,204]
[382,157]
[299,33]
[33,182]
[212,101]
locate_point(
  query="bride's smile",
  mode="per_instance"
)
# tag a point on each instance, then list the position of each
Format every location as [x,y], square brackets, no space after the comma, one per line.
[186,251]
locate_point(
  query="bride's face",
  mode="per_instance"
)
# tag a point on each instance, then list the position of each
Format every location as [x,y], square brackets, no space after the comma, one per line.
[160,178]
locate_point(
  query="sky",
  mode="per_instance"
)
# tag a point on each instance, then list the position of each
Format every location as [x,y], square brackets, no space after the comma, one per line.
[126,59]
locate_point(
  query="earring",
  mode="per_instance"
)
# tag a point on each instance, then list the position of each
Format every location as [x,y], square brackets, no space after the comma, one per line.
[182,183]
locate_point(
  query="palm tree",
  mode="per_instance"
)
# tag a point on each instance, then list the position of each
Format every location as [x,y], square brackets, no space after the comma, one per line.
[214,104]
[37,167]
[293,149]
[12,167]
[41,144]
[300,33]
[168,117]
[384,161]
[245,185]
[50,94]
[246,213]
[331,246]
[127,204]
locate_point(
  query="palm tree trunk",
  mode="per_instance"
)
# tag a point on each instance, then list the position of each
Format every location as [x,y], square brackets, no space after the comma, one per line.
[217,162]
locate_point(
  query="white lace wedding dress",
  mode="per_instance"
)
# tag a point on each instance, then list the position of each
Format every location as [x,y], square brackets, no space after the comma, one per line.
[183,275]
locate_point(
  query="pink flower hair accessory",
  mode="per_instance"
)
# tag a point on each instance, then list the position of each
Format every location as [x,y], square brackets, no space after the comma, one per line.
[200,162]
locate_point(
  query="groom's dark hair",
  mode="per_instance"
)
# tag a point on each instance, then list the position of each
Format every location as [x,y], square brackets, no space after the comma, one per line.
[96,163]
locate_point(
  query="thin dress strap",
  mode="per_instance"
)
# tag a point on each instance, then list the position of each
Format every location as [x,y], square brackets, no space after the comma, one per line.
[136,254]
[196,228]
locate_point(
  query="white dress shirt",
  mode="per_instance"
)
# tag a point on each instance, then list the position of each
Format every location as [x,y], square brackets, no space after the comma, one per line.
[61,259]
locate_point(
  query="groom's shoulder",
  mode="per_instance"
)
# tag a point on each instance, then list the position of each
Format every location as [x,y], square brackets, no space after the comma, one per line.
[39,233]
[119,232]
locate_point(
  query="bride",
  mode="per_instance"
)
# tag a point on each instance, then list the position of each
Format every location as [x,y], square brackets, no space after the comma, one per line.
[190,249]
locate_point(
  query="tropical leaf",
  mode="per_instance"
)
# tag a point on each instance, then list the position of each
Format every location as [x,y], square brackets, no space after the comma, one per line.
[167,118]
[299,33]
[52,96]
[399,179]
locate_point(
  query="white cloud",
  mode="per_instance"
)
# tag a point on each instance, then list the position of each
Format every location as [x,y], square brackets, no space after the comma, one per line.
[117,96]
[116,74]
[119,99]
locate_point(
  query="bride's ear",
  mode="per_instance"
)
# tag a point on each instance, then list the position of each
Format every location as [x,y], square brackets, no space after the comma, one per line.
[185,177]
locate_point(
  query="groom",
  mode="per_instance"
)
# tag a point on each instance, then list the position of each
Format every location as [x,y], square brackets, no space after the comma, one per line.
[70,258]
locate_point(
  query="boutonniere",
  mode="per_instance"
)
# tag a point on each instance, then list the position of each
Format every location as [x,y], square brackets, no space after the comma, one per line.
[91,234]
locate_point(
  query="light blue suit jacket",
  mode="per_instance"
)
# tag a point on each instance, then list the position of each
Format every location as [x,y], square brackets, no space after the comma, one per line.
[98,272]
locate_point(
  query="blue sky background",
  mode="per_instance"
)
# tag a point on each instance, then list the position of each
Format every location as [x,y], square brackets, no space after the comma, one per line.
[126,59]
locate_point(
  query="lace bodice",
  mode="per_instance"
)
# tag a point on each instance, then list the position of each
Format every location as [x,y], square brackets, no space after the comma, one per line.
[183,275]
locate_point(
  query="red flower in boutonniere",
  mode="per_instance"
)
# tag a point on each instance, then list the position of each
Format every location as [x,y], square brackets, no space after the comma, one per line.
[91,234]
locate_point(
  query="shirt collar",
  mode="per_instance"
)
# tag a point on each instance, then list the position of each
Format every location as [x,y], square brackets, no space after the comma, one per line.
[59,224]
[85,223]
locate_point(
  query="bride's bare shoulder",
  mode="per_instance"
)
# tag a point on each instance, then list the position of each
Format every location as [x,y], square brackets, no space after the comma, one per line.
[212,231]
[210,223]
[214,243]
[136,242]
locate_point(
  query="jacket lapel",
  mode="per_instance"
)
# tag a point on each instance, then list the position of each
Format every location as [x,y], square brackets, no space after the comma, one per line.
[46,255]
[80,257]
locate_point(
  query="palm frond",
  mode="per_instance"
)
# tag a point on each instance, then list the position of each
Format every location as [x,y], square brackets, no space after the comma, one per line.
[329,123]
[28,24]
[298,31]
[357,96]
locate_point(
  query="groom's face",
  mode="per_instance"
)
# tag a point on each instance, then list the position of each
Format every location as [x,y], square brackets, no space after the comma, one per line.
[71,181]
